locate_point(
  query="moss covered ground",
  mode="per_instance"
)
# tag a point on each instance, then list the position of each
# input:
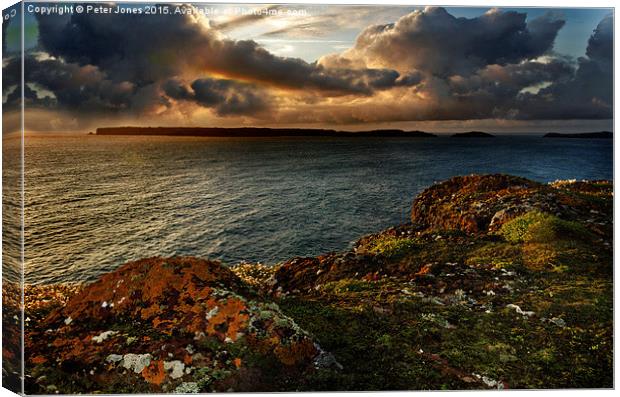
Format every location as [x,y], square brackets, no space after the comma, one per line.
[506,284]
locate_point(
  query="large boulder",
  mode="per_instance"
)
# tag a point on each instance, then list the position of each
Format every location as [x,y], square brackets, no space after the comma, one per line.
[166,325]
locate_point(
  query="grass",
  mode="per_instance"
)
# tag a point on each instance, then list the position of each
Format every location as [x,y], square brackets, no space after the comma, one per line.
[380,350]
[542,227]
[392,247]
[498,255]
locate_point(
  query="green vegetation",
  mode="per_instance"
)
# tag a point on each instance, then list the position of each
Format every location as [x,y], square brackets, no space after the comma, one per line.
[498,255]
[392,247]
[541,227]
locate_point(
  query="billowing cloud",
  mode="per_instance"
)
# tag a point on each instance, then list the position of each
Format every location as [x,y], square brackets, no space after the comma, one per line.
[589,93]
[227,97]
[70,86]
[436,42]
[493,66]
[144,50]
[427,65]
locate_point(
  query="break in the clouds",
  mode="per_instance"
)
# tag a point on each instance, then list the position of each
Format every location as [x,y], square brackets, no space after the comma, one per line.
[588,94]
[425,66]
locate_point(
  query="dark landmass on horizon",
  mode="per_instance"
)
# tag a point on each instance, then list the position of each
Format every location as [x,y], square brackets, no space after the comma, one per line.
[255,132]
[472,134]
[583,135]
[264,132]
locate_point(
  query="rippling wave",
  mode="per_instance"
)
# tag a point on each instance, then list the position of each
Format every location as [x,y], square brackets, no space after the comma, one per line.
[95,202]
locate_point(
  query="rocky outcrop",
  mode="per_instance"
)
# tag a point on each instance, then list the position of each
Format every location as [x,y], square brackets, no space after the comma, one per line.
[470,203]
[497,282]
[164,325]
[483,203]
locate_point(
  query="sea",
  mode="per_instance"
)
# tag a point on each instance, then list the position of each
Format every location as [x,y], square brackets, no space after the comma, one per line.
[94,202]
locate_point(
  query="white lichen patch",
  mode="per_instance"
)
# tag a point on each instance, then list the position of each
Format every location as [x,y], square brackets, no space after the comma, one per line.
[103,336]
[519,310]
[212,313]
[175,368]
[136,362]
[492,383]
[114,358]
[187,387]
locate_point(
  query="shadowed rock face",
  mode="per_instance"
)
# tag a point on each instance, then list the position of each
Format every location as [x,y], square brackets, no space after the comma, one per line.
[167,324]
[303,274]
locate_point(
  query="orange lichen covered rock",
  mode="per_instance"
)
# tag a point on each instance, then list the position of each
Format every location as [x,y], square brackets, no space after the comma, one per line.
[161,324]
[482,203]
[461,202]
[11,335]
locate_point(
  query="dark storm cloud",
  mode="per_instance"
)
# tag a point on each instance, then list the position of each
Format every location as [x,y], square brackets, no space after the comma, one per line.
[14,97]
[507,81]
[137,48]
[178,90]
[226,97]
[74,87]
[497,65]
[436,42]
[144,50]
[589,93]
[113,63]
[248,60]
[601,43]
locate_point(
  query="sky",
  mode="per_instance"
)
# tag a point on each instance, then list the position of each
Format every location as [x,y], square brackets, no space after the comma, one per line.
[343,67]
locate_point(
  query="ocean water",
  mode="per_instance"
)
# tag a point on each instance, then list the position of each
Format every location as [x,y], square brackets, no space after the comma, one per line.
[95,202]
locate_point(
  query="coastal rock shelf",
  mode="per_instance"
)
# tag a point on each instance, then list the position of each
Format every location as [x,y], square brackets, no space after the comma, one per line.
[497,282]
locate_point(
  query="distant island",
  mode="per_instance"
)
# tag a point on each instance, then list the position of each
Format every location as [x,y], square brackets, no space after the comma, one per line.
[582,135]
[254,132]
[472,134]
